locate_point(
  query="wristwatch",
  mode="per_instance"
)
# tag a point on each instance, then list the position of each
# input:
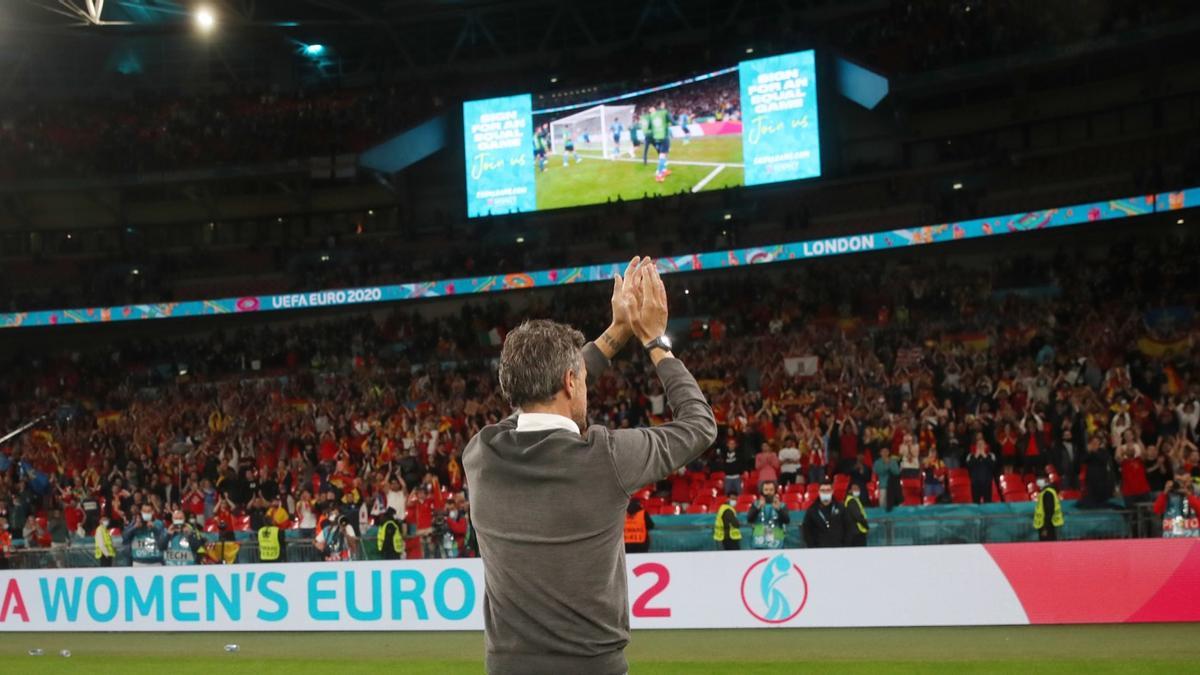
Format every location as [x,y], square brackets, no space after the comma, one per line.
[661,342]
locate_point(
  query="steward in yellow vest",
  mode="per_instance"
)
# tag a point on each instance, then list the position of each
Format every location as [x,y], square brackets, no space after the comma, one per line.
[270,544]
[105,552]
[725,529]
[857,515]
[1047,501]
[388,538]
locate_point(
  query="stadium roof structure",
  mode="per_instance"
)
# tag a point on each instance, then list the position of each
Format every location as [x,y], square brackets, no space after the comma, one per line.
[413,35]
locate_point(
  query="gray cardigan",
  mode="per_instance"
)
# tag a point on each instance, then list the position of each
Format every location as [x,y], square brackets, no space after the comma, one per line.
[549,511]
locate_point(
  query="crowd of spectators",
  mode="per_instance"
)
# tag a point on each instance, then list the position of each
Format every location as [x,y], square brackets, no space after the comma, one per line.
[909,36]
[1075,367]
[146,135]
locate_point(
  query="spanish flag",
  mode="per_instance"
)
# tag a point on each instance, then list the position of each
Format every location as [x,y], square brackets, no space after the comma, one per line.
[108,417]
[1174,381]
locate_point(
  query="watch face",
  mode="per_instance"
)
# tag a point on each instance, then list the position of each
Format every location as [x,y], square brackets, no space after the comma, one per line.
[666,341]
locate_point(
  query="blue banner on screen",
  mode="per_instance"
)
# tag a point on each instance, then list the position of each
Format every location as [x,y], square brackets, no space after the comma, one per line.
[780,139]
[749,124]
[498,141]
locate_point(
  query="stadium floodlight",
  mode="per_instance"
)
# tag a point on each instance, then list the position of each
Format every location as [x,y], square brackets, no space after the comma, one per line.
[957,186]
[728,216]
[749,50]
[314,50]
[520,240]
[553,80]
[206,20]
[1179,222]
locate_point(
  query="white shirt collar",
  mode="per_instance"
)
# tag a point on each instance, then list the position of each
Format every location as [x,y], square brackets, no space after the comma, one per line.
[545,421]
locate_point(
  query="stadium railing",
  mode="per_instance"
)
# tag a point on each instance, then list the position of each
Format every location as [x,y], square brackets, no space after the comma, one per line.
[913,526]
[83,555]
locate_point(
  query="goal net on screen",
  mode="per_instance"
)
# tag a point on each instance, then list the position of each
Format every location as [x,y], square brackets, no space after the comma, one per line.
[592,130]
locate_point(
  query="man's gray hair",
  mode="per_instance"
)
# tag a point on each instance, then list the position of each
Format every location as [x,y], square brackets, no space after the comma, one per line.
[534,358]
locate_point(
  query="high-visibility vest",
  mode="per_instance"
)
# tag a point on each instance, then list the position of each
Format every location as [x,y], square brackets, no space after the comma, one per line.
[719,526]
[851,498]
[268,543]
[104,544]
[635,527]
[381,537]
[1039,513]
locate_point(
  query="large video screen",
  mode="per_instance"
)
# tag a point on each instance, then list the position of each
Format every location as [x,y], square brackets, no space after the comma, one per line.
[751,124]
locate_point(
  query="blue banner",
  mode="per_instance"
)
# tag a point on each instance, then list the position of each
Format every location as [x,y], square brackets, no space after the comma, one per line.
[780,139]
[498,142]
[1016,223]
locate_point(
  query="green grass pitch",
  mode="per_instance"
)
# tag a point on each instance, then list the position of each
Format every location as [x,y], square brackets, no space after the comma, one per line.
[1094,650]
[596,180]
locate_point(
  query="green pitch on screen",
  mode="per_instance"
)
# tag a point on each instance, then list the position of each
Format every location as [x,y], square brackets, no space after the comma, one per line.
[706,163]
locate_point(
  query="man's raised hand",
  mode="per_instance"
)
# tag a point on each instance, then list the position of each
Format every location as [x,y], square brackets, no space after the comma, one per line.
[650,319]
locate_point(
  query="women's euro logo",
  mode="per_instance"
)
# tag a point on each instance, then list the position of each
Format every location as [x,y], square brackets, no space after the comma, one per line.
[774,590]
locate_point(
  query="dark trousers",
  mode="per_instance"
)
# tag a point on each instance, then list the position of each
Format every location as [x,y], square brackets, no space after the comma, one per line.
[106,561]
[390,555]
[731,544]
[1048,533]
[981,492]
[645,150]
[857,539]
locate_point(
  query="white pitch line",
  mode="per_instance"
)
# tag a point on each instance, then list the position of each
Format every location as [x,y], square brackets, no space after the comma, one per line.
[681,162]
[711,175]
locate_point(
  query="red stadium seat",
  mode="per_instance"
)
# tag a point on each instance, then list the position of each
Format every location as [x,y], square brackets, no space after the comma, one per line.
[742,507]
[841,484]
[929,500]
[696,508]
[746,498]
[1071,494]
[910,489]
[960,494]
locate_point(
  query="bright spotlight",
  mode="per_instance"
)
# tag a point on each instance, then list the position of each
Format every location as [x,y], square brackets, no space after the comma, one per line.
[314,50]
[205,19]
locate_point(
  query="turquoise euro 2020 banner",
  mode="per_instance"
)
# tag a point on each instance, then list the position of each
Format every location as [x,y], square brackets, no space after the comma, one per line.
[780,133]
[498,142]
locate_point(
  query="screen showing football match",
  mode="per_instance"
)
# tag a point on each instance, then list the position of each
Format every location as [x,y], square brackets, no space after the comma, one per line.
[750,124]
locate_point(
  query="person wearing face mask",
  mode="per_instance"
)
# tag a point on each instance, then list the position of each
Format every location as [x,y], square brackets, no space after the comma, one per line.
[825,522]
[1047,514]
[146,539]
[726,530]
[183,543]
[856,530]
